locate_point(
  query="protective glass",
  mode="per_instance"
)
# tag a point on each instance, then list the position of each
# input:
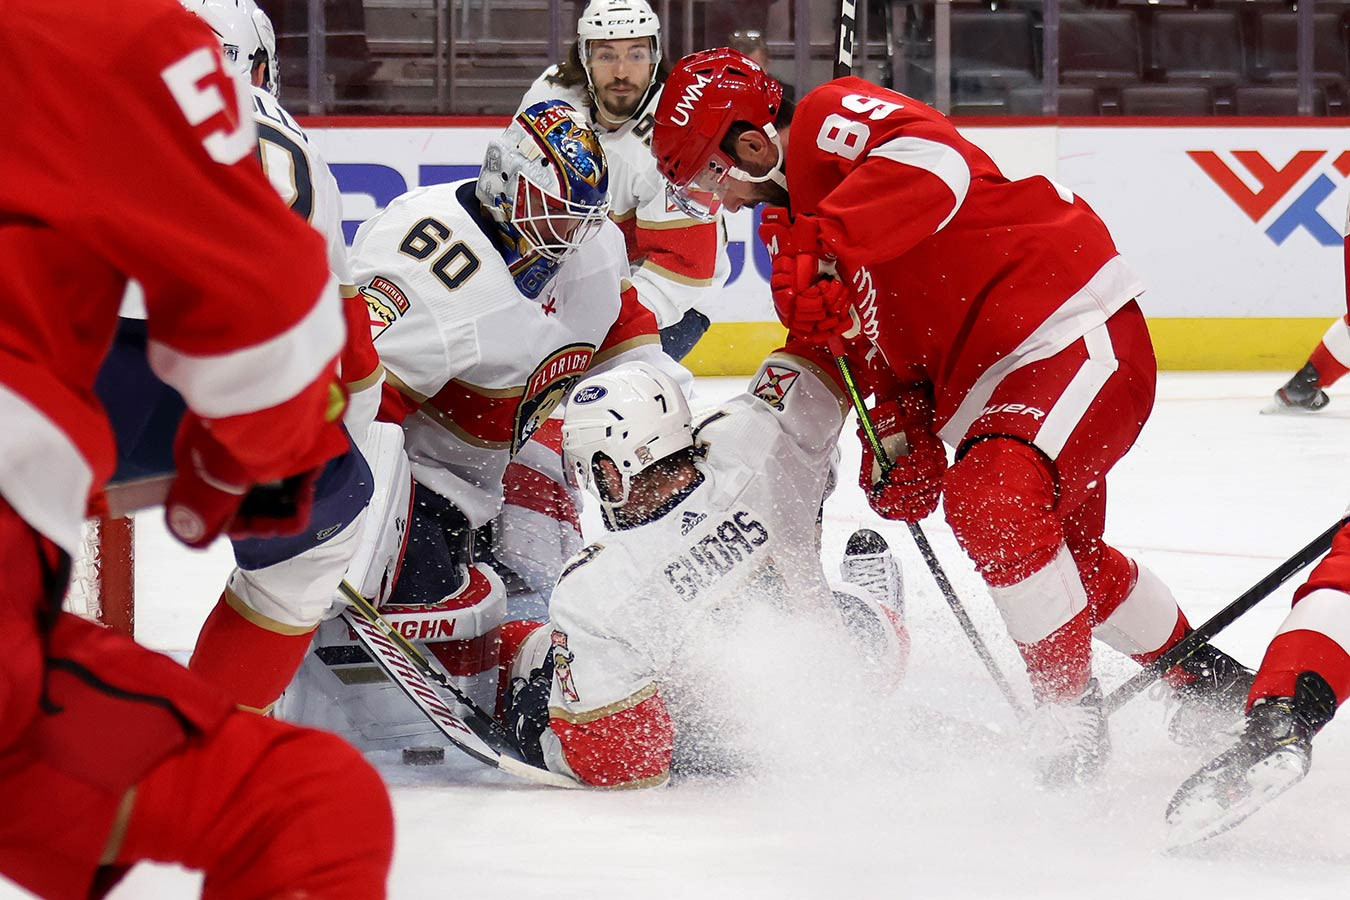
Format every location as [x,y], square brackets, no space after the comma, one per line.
[554,227]
[701,198]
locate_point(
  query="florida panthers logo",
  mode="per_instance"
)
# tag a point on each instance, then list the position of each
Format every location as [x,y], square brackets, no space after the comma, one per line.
[562,667]
[547,386]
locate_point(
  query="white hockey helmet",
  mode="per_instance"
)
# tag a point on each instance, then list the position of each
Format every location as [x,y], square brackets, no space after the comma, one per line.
[634,415]
[267,35]
[619,20]
[236,26]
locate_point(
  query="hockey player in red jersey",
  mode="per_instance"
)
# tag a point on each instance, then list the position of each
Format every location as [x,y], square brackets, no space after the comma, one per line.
[109,753]
[1305,391]
[1303,679]
[1004,325]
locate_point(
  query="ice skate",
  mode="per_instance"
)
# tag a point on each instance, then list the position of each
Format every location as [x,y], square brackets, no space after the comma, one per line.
[1301,394]
[1214,702]
[1272,755]
[1070,740]
[869,564]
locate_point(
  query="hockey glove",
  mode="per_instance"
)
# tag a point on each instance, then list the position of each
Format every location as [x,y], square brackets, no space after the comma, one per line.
[812,305]
[910,488]
[212,493]
[526,715]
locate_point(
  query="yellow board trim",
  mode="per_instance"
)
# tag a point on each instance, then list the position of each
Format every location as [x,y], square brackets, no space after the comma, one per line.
[1208,344]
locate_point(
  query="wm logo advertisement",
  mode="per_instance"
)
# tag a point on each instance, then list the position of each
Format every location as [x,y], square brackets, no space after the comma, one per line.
[1281,195]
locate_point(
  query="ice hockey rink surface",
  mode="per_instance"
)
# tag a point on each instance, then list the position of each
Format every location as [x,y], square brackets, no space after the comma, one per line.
[926,794]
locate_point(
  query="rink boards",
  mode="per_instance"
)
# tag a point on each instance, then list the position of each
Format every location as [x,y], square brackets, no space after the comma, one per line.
[1235,224]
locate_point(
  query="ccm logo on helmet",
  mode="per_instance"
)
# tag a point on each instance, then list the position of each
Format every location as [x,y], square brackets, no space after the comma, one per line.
[685,106]
[589,394]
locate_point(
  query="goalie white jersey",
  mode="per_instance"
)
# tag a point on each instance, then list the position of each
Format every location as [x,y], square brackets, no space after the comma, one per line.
[477,365]
[628,609]
[677,263]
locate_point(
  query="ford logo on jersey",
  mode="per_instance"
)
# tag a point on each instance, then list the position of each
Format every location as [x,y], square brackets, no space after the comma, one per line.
[589,394]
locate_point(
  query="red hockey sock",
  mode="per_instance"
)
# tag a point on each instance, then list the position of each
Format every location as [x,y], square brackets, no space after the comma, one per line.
[1295,652]
[1329,368]
[1060,665]
[247,655]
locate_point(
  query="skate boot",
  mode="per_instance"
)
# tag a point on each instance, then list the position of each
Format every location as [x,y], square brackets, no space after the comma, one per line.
[868,563]
[1070,740]
[1301,393]
[1214,700]
[1272,755]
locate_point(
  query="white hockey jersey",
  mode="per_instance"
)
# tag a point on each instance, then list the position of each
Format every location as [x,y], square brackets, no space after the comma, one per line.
[477,365]
[633,613]
[677,262]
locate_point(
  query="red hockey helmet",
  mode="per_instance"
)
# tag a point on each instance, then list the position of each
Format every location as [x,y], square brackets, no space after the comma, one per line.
[704,95]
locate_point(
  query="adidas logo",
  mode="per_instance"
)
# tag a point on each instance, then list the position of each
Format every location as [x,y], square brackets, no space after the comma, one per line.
[689,520]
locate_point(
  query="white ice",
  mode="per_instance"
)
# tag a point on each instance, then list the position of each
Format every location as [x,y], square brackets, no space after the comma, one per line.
[881,798]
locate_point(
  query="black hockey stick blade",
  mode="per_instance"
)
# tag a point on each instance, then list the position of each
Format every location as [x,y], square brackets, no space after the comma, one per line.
[1183,649]
[847,37]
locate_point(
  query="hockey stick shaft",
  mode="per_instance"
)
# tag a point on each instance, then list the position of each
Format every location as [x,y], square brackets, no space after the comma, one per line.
[920,539]
[368,611]
[1183,649]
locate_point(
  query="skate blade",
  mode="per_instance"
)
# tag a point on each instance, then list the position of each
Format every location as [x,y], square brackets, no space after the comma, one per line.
[1210,808]
[1278,407]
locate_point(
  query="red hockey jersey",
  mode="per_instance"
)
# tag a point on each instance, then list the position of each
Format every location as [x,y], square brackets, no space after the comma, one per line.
[960,274]
[131,153]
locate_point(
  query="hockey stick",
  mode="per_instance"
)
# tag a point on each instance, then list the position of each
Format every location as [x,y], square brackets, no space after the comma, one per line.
[1183,649]
[489,743]
[843,66]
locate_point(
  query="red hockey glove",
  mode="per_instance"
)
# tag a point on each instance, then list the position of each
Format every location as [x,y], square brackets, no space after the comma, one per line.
[813,307]
[909,490]
[213,494]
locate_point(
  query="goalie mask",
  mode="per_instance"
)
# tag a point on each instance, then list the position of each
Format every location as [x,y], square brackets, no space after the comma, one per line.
[707,93]
[634,416]
[245,33]
[545,186]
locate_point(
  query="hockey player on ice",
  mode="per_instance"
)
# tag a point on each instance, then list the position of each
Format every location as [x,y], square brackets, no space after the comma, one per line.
[1303,678]
[262,625]
[1009,326]
[1305,391]
[111,754]
[613,74]
[490,298]
[710,520]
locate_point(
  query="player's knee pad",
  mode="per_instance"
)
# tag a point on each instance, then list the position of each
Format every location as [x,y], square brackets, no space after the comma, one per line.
[384,537]
[999,501]
[1145,620]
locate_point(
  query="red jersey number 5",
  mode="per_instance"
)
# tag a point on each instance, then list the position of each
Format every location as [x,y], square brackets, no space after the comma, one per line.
[200,99]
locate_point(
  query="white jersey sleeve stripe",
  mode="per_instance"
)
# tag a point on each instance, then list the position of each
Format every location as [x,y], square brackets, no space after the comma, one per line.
[265,374]
[44,477]
[931,156]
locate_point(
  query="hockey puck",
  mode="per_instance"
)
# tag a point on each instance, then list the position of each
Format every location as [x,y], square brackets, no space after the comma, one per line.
[423,756]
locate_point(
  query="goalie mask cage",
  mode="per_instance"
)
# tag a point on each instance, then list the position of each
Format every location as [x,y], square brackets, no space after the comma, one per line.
[102,575]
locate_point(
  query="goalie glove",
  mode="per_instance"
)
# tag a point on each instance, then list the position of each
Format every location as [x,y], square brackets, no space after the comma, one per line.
[812,307]
[213,494]
[907,490]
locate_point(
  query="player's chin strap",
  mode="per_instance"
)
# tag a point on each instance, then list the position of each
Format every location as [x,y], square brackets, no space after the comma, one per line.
[775,174]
